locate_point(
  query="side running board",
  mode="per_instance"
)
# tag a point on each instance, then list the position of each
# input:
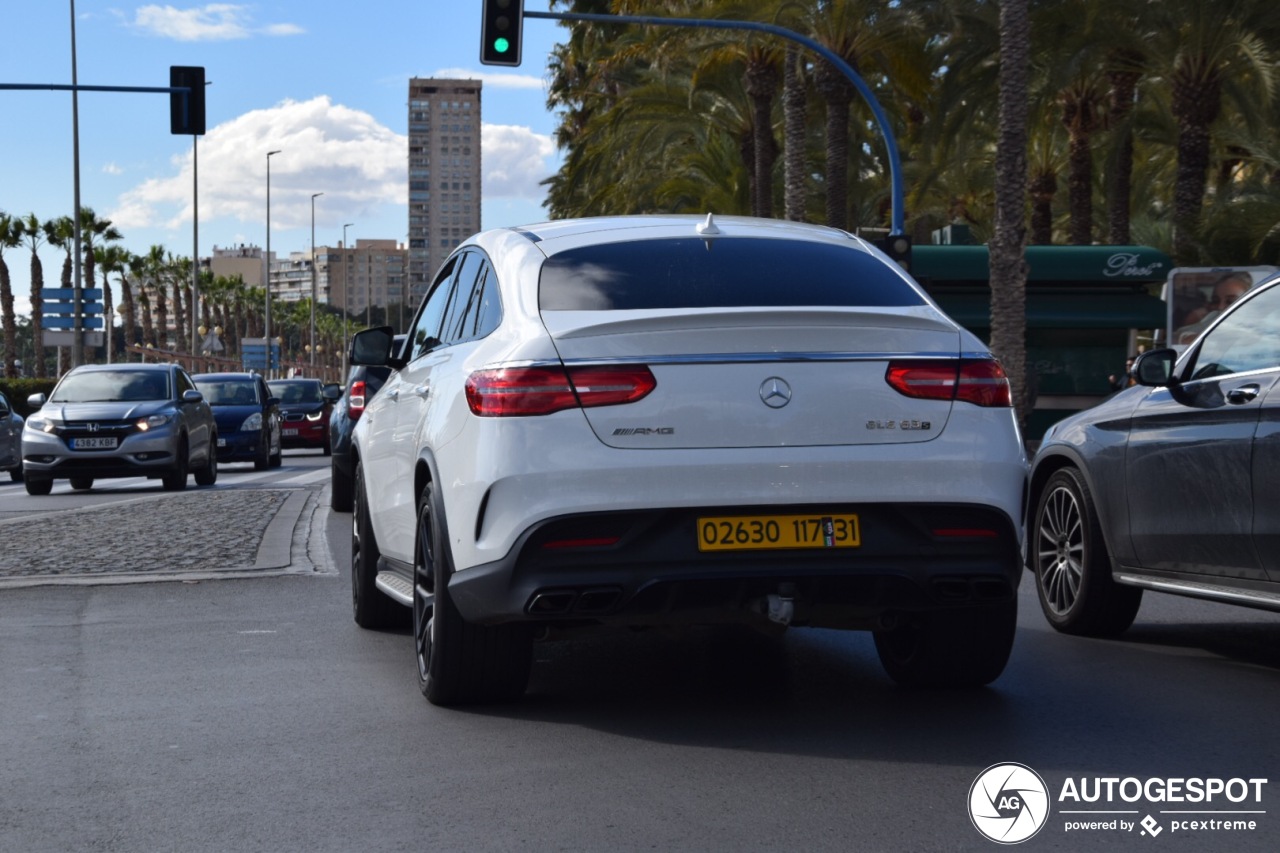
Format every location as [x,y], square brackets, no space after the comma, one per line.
[395,587]
[1233,595]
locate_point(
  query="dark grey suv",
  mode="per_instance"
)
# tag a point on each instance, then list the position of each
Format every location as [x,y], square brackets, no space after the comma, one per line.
[120,420]
[1168,486]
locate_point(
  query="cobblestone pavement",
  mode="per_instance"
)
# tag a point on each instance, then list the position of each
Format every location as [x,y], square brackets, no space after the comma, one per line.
[217,530]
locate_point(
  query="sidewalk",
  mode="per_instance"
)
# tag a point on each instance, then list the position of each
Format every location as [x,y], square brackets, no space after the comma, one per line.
[189,536]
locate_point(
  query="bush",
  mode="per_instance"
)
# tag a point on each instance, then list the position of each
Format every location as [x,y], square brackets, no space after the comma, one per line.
[18,390]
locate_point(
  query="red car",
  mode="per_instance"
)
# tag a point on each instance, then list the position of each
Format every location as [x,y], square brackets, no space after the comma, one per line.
[305,405]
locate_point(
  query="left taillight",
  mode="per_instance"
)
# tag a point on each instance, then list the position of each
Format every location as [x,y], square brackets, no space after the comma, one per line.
[978,381]
[355,399]
[514,391]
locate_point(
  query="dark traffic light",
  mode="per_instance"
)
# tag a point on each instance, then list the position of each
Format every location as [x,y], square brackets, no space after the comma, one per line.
[898,248]
[186,110]
[500,30]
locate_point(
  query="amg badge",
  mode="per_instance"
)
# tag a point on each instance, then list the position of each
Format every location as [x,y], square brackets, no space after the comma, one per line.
[645,431]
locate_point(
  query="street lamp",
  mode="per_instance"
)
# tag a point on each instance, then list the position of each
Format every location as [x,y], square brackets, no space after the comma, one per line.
[346,294]
[314,196]
[266,267]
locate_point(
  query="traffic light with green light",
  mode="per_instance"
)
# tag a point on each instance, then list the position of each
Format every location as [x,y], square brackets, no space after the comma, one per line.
[500,31]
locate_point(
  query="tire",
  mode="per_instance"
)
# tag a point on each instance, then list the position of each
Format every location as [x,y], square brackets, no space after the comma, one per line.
[15,474]
[328,449]
[38,485]
[263,459]
[1069,556]
[459,662]
[950,648]
[176,479]
[339,489]
[276,458]
[82,484]
[370,606]
[208,475]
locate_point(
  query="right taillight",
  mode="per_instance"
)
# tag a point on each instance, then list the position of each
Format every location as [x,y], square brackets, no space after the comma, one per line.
[978,381]
[514,391]
[355,399]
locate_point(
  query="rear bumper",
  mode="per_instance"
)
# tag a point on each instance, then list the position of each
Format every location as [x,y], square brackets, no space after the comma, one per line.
[912,558]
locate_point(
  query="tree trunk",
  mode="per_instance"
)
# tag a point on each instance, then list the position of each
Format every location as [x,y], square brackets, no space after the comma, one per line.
[1197,101]
[1007,247]
[10,322]
[1043,188]
[794,103]
[1124,86]
[37,314]
[762,85]
[838,93]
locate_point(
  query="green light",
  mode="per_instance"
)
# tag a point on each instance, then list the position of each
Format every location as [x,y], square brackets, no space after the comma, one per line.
[501,45]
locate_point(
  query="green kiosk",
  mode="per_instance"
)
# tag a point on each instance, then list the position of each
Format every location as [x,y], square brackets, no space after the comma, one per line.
[1086,306]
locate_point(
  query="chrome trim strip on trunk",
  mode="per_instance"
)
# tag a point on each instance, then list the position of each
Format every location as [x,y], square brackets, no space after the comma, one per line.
[776,357]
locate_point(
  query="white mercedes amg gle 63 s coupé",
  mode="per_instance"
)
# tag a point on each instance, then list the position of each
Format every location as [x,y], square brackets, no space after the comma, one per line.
[657,420]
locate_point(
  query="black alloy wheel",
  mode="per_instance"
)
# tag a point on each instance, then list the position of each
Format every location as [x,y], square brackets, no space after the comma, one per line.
[459,662]
[1069,556]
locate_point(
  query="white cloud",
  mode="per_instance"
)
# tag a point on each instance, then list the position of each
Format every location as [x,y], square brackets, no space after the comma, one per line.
[112,169]
[324,147]
[357,163]
[493,79]
[212,22]
[515,160]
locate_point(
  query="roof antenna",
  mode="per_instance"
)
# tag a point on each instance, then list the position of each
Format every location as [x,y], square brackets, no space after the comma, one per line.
[708,228]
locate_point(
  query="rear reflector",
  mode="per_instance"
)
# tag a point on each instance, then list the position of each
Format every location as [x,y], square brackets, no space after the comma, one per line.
[978,381]
[513,391]
[597,542]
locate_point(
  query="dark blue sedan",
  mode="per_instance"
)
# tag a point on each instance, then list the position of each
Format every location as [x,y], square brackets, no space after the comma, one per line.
[248,417]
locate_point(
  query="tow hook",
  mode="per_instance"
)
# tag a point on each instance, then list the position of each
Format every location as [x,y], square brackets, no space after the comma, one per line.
[780,609]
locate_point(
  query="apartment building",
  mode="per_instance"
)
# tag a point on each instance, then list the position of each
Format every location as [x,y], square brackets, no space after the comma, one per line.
[444,173]
[371,272]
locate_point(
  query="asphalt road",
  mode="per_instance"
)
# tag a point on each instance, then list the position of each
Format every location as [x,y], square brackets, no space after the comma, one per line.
[250,713]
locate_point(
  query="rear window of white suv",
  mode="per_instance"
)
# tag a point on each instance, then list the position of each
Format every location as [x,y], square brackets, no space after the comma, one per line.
[719,273]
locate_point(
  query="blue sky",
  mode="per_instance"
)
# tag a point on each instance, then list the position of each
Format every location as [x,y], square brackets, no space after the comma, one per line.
[324,81]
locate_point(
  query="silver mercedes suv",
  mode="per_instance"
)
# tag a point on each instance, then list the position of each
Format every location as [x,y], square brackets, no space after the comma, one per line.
[120,420]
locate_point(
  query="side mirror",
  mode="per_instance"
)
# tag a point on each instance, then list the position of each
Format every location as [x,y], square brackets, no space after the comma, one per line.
[1155,369]
[192,396]
[331,393]
[35,401]
[273,402]
[372,346]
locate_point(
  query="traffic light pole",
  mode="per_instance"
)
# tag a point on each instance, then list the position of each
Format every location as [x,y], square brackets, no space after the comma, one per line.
[895,163]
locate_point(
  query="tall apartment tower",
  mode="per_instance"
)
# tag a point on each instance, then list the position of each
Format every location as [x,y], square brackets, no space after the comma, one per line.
[444,173]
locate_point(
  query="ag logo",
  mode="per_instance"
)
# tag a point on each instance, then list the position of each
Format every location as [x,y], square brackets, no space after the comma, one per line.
[1008,803]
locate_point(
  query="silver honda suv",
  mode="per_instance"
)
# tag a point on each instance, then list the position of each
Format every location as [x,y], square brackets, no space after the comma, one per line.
[120,420]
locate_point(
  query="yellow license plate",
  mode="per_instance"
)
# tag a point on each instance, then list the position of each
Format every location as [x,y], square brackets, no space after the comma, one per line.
[762,532]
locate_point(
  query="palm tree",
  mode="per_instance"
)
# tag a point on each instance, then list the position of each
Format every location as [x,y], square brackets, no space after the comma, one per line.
[136,266]
[1008,243]
[110,259]
[9,238]
[60,232]
[1209,51]
[33,235]
[94,232]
